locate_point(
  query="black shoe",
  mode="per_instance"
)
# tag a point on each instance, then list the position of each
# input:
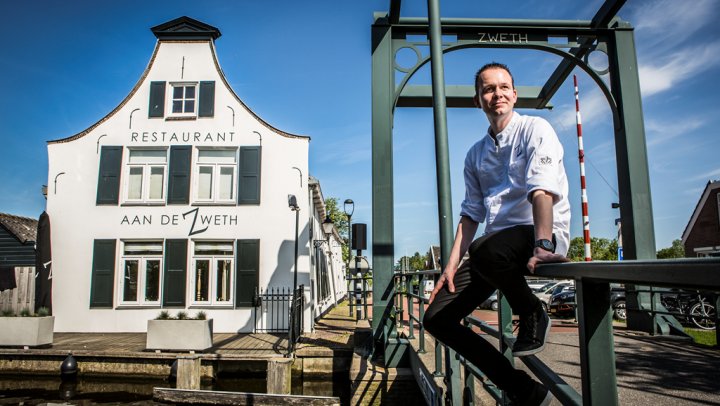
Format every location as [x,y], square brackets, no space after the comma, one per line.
[534,330]
[538,395]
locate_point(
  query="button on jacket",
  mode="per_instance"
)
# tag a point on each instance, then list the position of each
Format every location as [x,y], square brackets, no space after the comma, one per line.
[501,175]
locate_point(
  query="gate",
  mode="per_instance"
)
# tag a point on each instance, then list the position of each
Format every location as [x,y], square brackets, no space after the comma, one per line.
[272,310]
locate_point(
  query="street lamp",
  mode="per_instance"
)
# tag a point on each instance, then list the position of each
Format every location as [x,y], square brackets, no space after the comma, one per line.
[349,209]
[293,204]
[618,223]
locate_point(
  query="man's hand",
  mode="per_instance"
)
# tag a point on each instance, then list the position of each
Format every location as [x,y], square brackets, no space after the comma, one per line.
[541,256]
[447,277]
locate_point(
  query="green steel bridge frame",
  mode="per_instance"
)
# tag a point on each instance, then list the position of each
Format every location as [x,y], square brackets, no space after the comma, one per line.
[604,33]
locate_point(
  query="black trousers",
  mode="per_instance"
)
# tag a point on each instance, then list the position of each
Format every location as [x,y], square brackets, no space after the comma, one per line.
[497,261]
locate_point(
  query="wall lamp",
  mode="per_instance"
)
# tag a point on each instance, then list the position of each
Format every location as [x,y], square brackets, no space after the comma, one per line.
[327,226]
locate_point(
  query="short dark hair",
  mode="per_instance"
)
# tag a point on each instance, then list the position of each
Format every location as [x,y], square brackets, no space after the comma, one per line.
[493,65]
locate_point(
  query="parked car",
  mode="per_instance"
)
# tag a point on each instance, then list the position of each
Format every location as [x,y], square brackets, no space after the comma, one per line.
[537,284]
[563,303]
[428,287]
[491,302]
[617,299]
[555,288]
[544,287]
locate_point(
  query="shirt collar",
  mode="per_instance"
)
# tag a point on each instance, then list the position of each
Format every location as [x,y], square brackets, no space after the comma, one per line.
[505,134]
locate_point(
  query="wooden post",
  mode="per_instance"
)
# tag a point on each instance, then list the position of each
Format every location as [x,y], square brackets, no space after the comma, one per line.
[278,376]
[188,372]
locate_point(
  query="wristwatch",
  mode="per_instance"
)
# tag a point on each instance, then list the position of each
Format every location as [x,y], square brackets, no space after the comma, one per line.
[547,245]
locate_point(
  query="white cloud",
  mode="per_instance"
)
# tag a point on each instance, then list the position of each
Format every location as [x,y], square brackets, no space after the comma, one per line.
[593,105]
[663,28]
[670,22]
[711,175]
[681,65]
[658,132]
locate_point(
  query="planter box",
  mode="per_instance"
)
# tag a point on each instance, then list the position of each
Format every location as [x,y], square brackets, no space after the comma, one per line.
[26,331]
[181,335]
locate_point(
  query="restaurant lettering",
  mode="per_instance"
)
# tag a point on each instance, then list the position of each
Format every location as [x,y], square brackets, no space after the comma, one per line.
[196,221]
[181,136]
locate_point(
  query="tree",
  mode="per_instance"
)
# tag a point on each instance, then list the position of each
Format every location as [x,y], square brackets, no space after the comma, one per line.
[340,221]
[416,262]
[602,249]
[677,250]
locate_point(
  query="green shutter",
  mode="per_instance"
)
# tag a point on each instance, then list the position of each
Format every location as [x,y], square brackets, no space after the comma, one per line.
[179,174]
[102,282]
[249,175]
[156,107]
[207,99]
[175,271]
[248,272]
[108,189]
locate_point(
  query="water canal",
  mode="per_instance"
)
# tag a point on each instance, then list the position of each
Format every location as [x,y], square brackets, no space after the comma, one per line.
[51,390]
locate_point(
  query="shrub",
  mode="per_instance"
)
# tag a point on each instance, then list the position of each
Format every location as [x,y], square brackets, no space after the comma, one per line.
[25,312]
[8,313]
[164,315]
[43,312]
[200,315]
[182,315]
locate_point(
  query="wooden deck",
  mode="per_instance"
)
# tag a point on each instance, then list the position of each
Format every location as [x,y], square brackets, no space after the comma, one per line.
[333,334]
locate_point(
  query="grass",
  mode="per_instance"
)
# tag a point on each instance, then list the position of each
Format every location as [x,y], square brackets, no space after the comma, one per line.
[703,337]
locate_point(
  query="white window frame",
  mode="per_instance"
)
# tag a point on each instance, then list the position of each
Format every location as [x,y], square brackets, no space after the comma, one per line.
[146,168]
[216,168]
[141,285]
[183,99]
[213,259]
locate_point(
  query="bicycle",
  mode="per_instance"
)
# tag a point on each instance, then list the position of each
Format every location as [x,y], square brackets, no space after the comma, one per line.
[702,314]
[694,307]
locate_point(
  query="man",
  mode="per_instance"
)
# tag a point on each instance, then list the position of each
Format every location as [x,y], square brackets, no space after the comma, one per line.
[515,183]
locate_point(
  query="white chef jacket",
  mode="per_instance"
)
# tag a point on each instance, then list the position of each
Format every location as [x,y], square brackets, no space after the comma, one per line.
[501,175]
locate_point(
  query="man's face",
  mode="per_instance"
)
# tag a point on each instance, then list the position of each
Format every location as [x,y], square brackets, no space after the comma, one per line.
[495,92]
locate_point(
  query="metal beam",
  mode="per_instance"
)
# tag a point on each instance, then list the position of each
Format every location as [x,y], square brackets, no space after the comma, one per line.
[382,190]
[490,22]
[606,13]
[462,96]
[394,15]
[695,273]
[601,19]
[442,165]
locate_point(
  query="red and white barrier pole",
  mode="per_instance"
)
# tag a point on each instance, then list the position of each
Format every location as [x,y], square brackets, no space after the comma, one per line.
[581,156]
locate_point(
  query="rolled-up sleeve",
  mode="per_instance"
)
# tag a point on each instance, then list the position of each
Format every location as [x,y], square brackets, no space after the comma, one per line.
[473,206]
[545,158]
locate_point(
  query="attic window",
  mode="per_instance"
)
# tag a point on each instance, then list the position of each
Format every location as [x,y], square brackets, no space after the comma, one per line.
[184,99]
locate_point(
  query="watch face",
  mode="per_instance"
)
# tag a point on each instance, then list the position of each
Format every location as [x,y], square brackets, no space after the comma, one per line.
[545,244]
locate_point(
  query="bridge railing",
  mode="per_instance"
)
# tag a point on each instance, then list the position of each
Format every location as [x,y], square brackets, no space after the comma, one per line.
[411,301]
[594,310]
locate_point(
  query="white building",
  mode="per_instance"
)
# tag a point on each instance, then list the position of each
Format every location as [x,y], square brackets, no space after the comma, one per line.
[178,200]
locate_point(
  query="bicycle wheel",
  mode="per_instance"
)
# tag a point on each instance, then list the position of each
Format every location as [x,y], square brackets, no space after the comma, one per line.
[703,315]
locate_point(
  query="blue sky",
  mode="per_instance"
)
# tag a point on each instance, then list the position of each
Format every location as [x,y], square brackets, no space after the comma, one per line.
[304,67]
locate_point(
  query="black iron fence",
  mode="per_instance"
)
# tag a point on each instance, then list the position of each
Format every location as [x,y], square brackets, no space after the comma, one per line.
[357,294]
[272,310]
[280,310]
[296,318]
